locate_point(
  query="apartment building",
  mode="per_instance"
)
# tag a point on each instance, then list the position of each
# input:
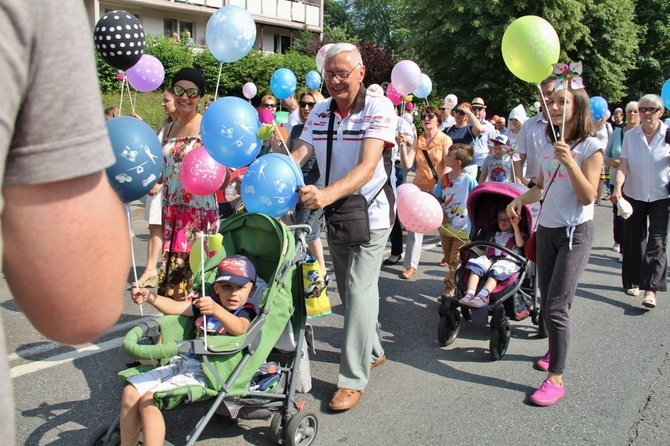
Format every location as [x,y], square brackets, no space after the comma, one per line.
[278,22]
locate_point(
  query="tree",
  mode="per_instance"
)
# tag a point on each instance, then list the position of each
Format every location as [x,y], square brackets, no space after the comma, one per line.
[378,62]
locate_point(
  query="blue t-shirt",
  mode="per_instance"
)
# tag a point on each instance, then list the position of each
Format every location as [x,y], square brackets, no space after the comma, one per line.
[453,195]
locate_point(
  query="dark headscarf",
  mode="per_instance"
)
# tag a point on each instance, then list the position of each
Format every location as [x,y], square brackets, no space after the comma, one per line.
[191,75]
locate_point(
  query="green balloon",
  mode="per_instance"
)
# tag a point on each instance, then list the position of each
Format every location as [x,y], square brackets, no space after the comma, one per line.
[529,47]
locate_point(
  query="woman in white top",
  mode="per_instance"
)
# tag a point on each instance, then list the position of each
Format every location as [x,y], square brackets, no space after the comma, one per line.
[645,167]
[568,180]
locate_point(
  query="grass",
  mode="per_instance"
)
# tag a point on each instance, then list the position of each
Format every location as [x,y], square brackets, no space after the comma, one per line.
[147,105]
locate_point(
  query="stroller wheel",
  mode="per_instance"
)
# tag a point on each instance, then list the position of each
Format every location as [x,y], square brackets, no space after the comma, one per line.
[102,437]
[448,327]
[500,337]
[276,431]
[301,429]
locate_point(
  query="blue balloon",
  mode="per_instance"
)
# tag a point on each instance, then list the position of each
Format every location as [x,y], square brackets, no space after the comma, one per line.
[598,108]
[230,33]
[229,131]
[283,83]
[139,157]
[424,88]
[270,185]
[665,93]
[313,80]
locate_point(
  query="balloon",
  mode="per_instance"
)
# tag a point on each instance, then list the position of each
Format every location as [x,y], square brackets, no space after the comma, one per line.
[451,101]
[230,33]
[249,90]
[404,189]
[665,93]
[313,80]
[393,94]
[139,157]
[321,57]
[229,131]
[200,174]
[409,106]
[213,244]
[598,108]
[529,47]
[376,89]
[119,39]
[406,76]
[270,185]
[420,212]
[425,87]
[147,74]
[283,83]
[608,115]
[537,106]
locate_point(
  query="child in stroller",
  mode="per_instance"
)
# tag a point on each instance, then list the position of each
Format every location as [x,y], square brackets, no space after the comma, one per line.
[230,311]
[493,265]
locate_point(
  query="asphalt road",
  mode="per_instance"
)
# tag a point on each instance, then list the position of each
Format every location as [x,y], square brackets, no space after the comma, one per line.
[617,381]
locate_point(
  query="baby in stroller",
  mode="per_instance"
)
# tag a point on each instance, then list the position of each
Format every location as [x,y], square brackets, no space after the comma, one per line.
[493,265]
[229,312]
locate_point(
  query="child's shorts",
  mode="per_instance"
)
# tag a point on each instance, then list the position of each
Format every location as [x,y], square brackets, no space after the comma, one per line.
[180,371]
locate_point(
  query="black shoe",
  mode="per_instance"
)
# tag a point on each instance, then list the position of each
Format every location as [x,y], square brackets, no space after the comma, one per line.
[392,260]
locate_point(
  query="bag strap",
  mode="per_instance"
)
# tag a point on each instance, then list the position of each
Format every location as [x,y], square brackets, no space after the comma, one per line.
[430,163]
[329,153]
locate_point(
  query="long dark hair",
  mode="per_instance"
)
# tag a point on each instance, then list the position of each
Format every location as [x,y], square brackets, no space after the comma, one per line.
[581,117]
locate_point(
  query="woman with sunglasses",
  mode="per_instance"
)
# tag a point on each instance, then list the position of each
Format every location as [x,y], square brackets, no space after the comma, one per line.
[268,102]
[567,185]
[644,170]
[184,214]
[434,147]
[466,129]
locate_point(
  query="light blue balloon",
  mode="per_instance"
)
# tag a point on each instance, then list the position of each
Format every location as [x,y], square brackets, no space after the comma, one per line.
[283,83]
[424,88]
[313,80]
[598,108]
[270,185]
[230,33]
[139,157]
[229,131]
[665,94]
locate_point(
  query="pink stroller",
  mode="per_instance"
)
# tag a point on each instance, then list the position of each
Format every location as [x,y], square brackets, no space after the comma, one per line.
[514,298]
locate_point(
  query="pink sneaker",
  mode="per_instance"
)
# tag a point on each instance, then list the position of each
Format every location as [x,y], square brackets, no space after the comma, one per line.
[543,363]
[478,301]
[547,394]
[466,299]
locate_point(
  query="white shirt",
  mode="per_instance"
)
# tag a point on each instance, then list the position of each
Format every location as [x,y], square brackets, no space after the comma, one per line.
[293,119]
[481,144]
[448,123]
[531,138]
[648,164]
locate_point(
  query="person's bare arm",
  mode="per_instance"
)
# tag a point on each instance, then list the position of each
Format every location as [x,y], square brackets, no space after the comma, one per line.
[66,255]
[302,152]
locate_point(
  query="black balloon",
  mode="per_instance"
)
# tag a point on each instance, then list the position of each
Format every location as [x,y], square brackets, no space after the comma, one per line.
[119,39]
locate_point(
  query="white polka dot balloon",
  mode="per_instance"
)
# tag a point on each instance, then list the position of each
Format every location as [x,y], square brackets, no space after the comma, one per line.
[147,74]
[119,39]
[420,212]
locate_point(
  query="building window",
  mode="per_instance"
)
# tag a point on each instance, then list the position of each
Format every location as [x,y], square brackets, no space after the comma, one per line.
[281,43]
[169,27]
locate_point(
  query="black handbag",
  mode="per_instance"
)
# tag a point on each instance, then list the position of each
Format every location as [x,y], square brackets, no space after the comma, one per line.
[347,219]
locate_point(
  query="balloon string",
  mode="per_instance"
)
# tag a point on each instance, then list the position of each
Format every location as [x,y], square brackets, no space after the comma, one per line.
[218,79]
[123,84]
[202,281]
[546,110]
[132,249]
[130,99]
[281,138]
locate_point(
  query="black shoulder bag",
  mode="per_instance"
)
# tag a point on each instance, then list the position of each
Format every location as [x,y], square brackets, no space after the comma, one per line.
[347,219]
[430,164]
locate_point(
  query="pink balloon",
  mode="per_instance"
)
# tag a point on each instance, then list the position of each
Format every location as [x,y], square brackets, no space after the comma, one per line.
[406,76]
[393,94]
[420,212]
[404,189]
[321,57]
[200,174]
[249,90]
[147,74]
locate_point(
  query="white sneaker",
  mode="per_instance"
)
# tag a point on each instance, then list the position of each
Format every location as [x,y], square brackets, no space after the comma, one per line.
[615,247]
[633,291]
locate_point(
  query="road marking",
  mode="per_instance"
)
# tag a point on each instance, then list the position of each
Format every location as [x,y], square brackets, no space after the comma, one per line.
[82,352]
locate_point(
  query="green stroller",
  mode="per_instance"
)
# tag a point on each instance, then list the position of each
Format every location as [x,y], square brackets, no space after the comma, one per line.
[273,343]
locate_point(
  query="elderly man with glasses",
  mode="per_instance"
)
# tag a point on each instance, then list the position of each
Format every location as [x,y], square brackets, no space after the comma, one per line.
[482,143]
[447,119]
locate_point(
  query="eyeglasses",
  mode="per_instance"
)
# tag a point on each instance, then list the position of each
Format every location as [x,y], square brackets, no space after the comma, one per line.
[304,104]
[459,112]
[269,105]
[648,109]
[477,108]
[427,116]
[343,75]
[191,93]
[443,108]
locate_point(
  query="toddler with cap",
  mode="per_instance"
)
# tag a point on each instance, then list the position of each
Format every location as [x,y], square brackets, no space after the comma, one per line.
[497,167]
[227,312]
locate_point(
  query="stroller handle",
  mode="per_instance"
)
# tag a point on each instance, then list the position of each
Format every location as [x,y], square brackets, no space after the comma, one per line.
[486,244]
[134,349]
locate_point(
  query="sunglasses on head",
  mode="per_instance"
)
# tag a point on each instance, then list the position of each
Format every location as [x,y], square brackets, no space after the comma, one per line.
[269,105]
[304,104]
[191,93]
[648,109]
[427,116]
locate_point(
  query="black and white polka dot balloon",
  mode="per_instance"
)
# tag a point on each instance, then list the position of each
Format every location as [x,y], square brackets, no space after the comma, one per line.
[119,39]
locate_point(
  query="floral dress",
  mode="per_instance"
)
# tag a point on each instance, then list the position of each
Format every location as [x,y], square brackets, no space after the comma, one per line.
[184,216]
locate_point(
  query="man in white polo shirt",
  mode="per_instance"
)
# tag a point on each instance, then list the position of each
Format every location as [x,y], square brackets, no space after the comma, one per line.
[362,144]
[482,144]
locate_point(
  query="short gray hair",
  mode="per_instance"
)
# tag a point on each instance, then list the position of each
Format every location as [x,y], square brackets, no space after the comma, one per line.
[653,100]
[343,47]
[631,104]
